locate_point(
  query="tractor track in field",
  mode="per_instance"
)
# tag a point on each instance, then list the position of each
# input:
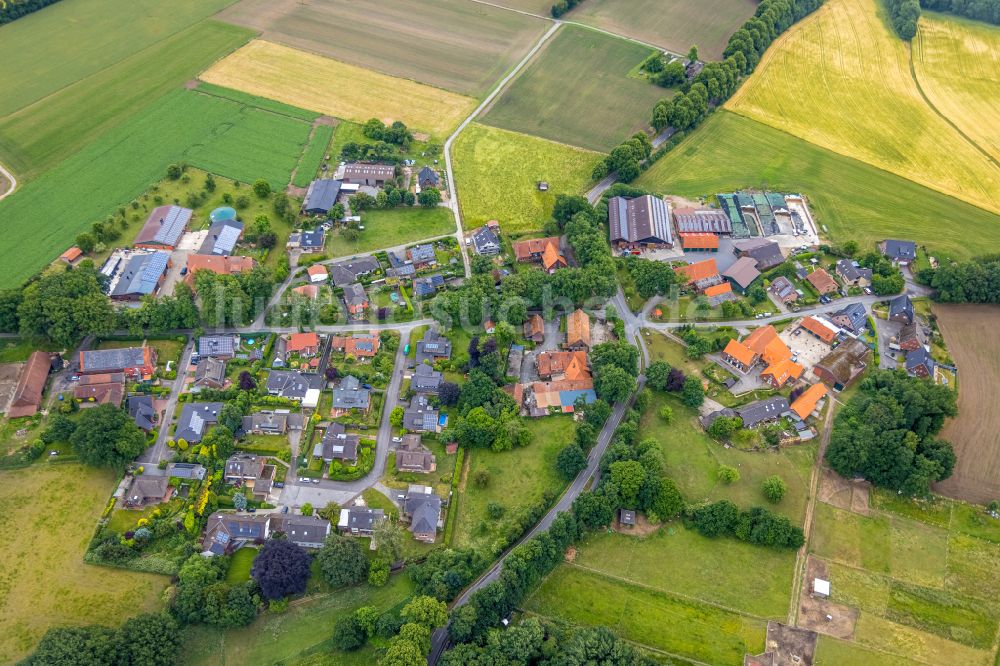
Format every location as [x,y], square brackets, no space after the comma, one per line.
[9,177]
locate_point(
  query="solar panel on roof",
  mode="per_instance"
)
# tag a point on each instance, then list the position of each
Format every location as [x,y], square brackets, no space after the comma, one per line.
[172,225]
[226,241]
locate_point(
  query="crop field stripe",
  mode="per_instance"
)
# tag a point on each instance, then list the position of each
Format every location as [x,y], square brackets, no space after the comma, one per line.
[852,199]
[44,216]
[262,103]
[39,136]
[313,155]
[845,51]
[310,81]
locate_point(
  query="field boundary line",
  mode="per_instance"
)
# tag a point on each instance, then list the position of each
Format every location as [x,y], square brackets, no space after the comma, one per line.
[679,595]
[13,182]
[650,648]
[927,100]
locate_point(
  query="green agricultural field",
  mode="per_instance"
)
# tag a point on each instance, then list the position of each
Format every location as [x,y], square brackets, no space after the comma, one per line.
[577,91]
[304,630]
[920,646]
[692,460]
[726,572]
[654,619]
[254,100]
[846,50]
[674,26]
[48,51]
[238,141]
[43,134]
[389,228]
[452,44]
[852,200]
[833,652]
[497,174]
[313,156]
[517,479]
[50,511]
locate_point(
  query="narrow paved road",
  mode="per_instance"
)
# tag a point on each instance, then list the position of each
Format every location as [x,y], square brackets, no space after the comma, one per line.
[453,199]
[154,454]
[601,187]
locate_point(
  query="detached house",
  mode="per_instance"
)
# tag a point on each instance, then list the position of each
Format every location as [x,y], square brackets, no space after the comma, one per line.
[422,509]
[544,251]
[138,363]
[147,490]
[348,396]
[822,281]
[426,379]
[195,420]
[433,347]
[337,445]
[420,416]
[578,331]
[303,344]
[486,242]
[765,252]
[534,329]
[413,456]
[852,274]
[901,309]
[356,300]
[428,177]
[899,251]
[359,521]
[843,365]
[919,363]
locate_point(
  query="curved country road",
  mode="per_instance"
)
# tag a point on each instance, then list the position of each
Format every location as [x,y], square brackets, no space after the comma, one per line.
[13,182]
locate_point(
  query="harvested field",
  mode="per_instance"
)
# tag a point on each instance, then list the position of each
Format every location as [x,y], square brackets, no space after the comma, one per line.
[841,79]
[853,200]
[313,82]
[674,26]
[970,331]
[577,91]
[490,189]
[957,64]
[452,44]
[843,493]
[813,610]
[50,511]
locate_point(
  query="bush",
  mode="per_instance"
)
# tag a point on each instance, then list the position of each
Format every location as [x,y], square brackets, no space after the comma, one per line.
[727,474]
[774,488]
[348,633]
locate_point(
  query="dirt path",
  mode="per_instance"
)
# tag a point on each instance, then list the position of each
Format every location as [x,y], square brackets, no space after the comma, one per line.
[801,556]
[7,182]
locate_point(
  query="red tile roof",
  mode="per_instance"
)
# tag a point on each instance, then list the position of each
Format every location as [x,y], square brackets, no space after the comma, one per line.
[699,241]
[698,270]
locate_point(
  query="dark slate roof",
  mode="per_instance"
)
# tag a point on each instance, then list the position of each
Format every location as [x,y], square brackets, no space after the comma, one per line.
[762,410]
[109,360]
[643,219]
[244,466]
[355,294]
[186,471]
[852,271]
[427,286]
[266,421]
[486,241]
[314,239]
[350,395]
[292,383]
[900,250]
[766,252]
[222,238]
[433,345]
[211,369]
[140,408]
[918,357]
[195,420]
[428,177]
[423,253]
[302,530]
[217,345]
[337,444]
[321,195]
[341,276]
[855,314]
[426,379]
[901,305]
[141,274]
[360,518]
[424,510]
[420,416]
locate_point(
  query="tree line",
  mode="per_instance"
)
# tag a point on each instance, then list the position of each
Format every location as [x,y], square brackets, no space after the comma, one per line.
[11,10]
[903,15]
[980,10]
[562,7]
[973,281]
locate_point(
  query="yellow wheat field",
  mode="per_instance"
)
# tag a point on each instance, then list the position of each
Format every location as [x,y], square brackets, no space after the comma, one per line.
[841,80]
[337,89]
[958,66]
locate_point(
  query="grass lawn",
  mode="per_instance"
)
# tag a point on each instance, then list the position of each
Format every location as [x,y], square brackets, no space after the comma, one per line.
[449,44]
[850,199]
[490,187]
[305,629]
[389,228]
[29,427]
[222,136]
[846,49]
[239,565]
[660,621]
[518,478]
[675,26]
[969,99]
[123,520]
[310,81]
[834,652]
[692,460]
[46,132]
[577,91]
[16,350]
[308,168]
[727,572]
[51,512]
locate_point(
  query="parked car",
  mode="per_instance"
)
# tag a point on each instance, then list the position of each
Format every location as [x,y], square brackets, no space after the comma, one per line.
[316,481]
[397,440]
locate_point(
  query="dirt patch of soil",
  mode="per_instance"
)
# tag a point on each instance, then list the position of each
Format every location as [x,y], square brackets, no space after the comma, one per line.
[641,528]
[191,84]
[822,615]
[791,646]
[843,493]
[293,191]
[421,136]
[570,555]
[330,121]
[9,373]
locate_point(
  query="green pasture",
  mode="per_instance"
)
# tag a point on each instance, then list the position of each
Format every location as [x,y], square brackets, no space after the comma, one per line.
[313,155]
[392,227]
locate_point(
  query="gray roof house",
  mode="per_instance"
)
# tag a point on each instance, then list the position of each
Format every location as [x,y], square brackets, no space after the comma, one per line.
[293,383]
[224,532]
[304,531]
[142,276]
[901,309]
[243,467]
[424,287]
[919,363]
[195,420]
[485,242]
[310,241]
[766,252]
[762,411]
[222,238]
[210,373]
[423,509]
[350,395]
[359,520]
[852,273]
[433,346]
[321,196]
[266,423]
[900,251]
[742,273]
[422,255]
[413,456]
[220,346]
[428,177]
[426,379]
[140,408]
[420,416]
[345,272]
[186,471]
[783,289]
[337,445]
[148,490]
[853,317]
